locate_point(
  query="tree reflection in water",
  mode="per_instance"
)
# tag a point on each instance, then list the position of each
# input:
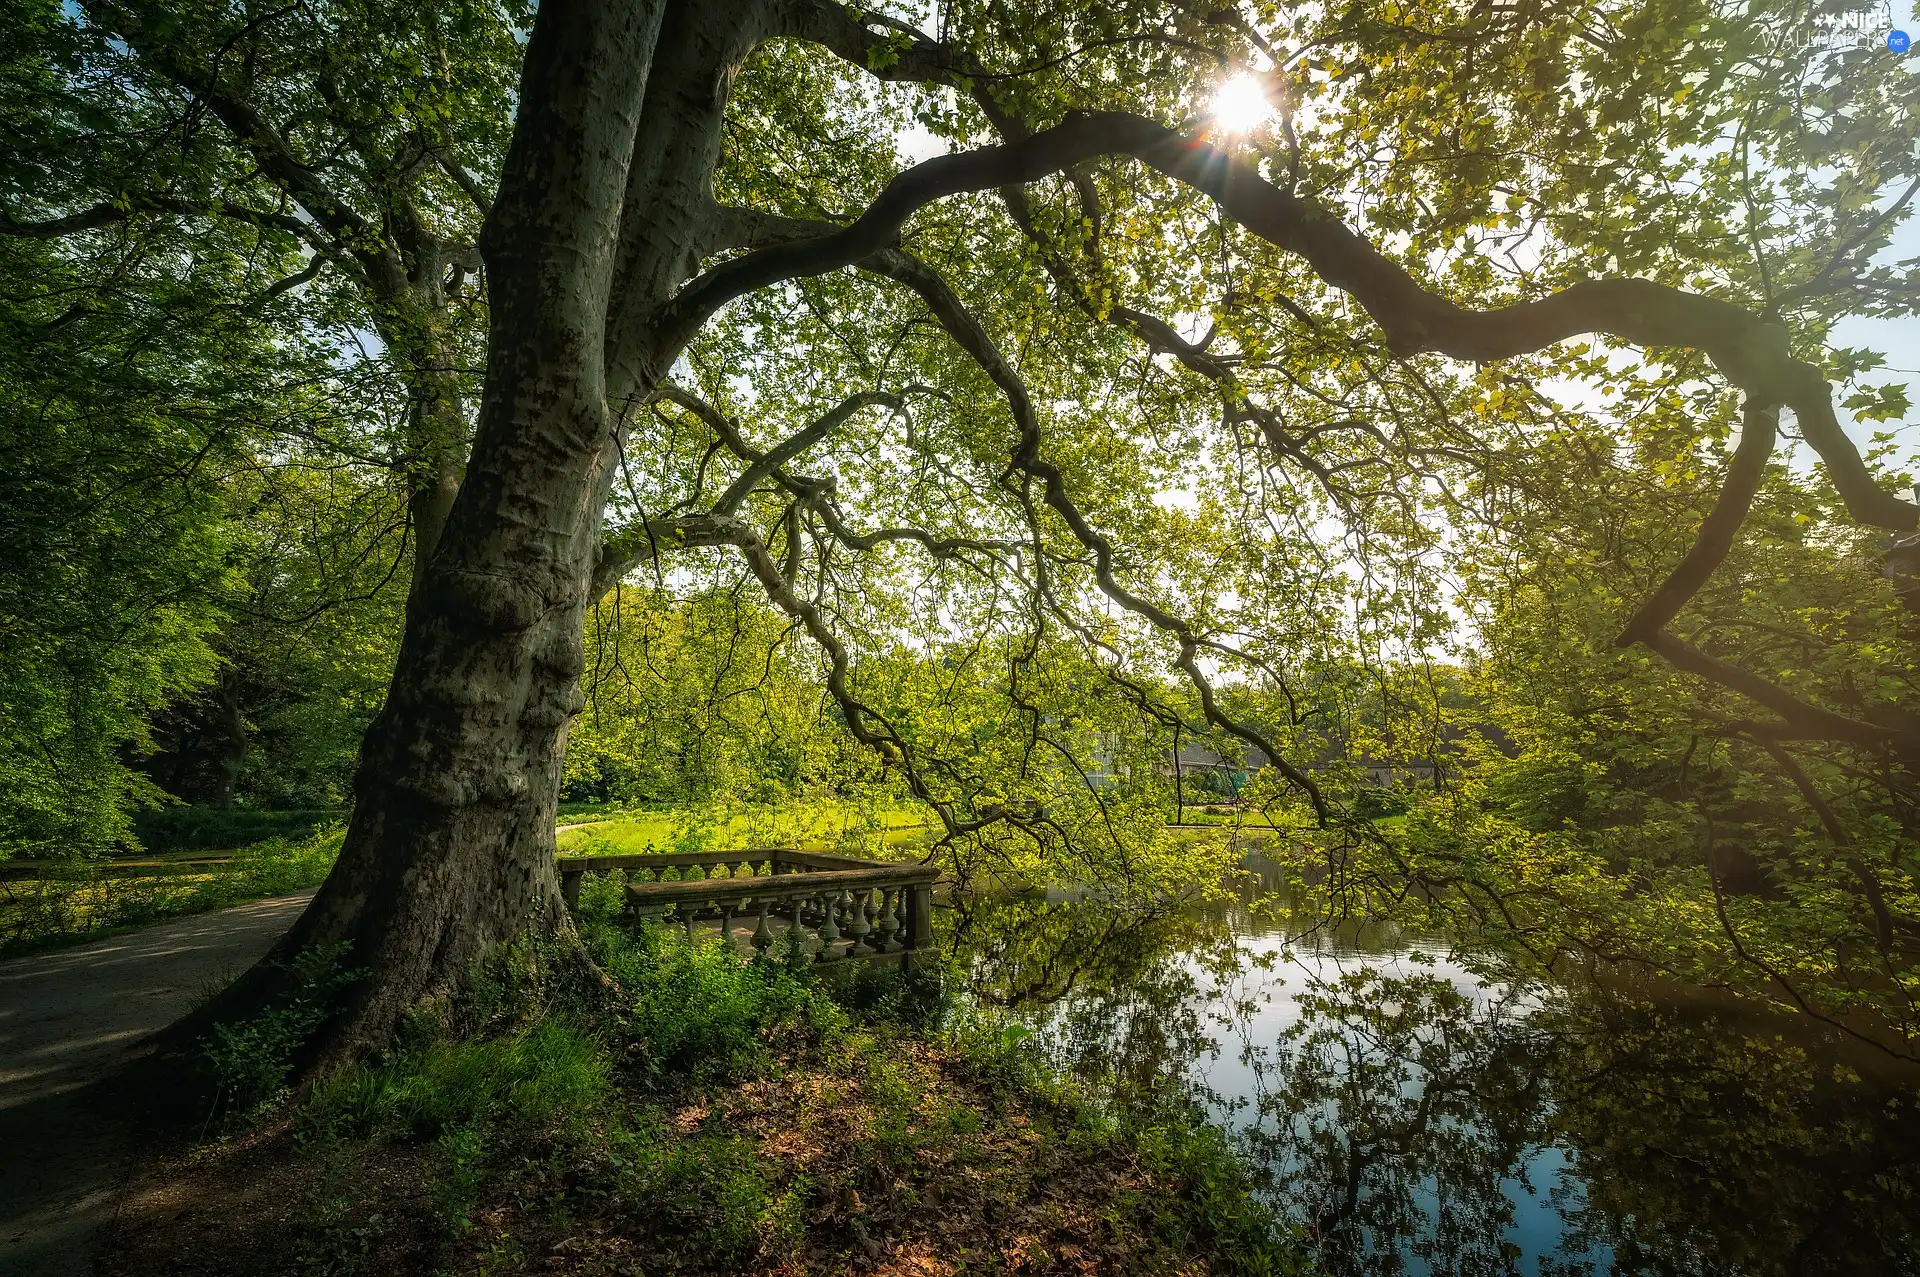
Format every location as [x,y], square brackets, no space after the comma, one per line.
[1411,1111]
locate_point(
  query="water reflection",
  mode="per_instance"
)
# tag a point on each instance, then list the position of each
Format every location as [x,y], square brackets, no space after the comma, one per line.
[1412,1111]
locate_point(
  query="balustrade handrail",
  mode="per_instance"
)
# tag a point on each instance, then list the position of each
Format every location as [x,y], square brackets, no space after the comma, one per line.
[682,859]
[776,886]
[885,908]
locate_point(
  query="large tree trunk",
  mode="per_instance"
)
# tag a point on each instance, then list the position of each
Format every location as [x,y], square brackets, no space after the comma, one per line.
[450,849]
[605,207]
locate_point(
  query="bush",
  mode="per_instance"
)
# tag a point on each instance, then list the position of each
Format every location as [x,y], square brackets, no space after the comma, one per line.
[82,900]
[698,1012]
[249,1060]
[187,828]
[544,1074]
[1373,802]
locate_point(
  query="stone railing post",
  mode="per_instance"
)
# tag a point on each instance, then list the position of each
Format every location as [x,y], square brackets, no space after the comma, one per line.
[829,928]
[919,919]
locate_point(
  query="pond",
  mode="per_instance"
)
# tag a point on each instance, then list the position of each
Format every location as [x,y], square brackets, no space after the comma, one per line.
[1412,1108]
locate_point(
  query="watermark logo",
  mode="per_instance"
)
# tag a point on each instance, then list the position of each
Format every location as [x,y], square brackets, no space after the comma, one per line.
[1868,27]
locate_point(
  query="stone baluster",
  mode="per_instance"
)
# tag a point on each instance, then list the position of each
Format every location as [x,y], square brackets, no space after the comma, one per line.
[889,923]
[829,929]
[859,907]
[762,938]
[686,918]
[919,916]
[796,931]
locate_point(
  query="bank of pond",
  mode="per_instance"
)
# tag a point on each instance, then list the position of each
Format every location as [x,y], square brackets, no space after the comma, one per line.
[1410,1107]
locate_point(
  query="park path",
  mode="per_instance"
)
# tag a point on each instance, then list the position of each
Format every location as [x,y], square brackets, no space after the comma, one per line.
[68,1019]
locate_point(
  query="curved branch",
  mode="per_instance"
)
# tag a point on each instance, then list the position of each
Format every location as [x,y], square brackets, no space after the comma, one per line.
[623,551]
[761,465]
[252,130]
[627,549]
[114,211]
[1802,721]
[867,724]
[1750,352]
[1759,426]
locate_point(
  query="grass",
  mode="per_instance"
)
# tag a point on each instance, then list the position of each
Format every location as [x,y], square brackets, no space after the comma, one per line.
[816,825]
[86,900]
[713,1115]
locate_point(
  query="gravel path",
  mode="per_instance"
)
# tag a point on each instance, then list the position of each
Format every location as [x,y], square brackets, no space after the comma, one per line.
[67,1021]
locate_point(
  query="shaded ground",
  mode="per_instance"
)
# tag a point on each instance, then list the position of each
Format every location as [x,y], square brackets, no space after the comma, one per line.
[895,1160]
[67,1020]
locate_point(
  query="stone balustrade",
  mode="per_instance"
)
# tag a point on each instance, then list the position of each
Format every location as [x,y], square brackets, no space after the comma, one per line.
[835,907]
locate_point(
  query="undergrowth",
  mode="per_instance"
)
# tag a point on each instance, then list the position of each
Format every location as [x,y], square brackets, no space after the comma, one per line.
[249,1061]
[189,827]
[724,1115]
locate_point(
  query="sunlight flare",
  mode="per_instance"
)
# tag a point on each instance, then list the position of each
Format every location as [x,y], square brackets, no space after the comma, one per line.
[1240,105]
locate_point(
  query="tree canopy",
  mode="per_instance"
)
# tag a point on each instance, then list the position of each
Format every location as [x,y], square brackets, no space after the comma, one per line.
[1471,391]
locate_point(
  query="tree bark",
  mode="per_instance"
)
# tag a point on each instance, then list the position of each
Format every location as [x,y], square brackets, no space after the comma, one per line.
[449,852]
[233,742]
[437,433]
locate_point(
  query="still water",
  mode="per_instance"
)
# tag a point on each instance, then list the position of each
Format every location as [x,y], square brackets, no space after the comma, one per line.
[1412,1109]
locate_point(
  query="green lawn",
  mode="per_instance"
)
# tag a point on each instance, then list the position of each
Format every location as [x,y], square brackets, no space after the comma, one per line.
[811,826]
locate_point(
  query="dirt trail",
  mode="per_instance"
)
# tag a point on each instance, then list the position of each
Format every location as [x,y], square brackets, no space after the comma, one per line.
[67,1020]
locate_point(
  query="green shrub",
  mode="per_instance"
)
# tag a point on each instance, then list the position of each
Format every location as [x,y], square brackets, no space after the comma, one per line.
[545,1074]
[189,828]
[920,996]
[249,1060]
[698,1011]
[1376,802]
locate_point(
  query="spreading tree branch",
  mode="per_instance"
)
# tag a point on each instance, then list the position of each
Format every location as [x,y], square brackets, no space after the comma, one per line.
[972,337]
[1750,352]
[1800,720]
[260,139]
